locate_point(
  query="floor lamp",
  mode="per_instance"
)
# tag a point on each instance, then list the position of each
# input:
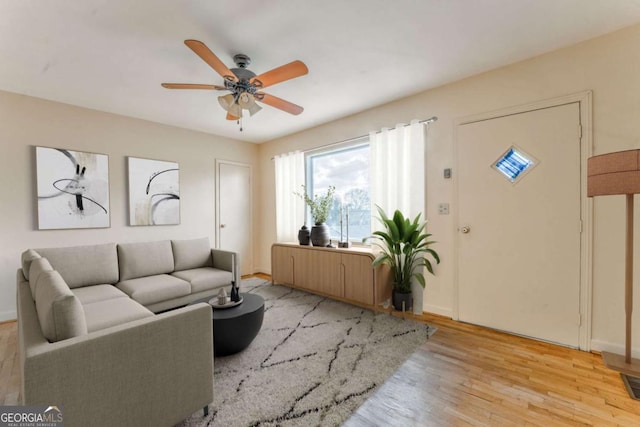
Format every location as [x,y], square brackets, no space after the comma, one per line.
[615,174]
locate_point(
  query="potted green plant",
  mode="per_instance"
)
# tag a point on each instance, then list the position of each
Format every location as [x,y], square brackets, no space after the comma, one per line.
[405,247]
[320,207]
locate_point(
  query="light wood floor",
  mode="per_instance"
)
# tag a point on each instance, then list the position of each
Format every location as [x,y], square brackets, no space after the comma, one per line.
[9,364]
[468,375]
[465,375]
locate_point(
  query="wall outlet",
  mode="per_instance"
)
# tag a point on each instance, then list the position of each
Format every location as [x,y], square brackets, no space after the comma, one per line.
[443,208]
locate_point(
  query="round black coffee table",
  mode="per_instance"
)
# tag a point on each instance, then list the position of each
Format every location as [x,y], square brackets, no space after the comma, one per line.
[234,328]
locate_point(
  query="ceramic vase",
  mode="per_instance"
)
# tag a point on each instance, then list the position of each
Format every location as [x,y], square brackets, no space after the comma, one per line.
[304,235]
[320,234]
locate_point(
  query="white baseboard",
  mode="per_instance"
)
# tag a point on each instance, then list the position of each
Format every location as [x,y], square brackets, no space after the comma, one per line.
[8,315]
[434,309]
[599,345]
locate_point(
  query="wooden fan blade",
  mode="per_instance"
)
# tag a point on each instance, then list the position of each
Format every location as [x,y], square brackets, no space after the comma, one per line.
[280,104]
[210,58]
[285,72]
[192,86]
[232,117]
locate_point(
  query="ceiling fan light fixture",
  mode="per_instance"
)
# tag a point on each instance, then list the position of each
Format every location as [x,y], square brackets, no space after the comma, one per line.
[226,101]
[235,110]
[254,108]
[248,102]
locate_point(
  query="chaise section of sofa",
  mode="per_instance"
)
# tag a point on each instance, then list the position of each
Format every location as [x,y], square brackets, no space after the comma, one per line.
[156,370]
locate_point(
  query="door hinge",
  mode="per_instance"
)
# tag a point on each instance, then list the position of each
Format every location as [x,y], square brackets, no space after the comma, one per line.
[580,228]
[579,319]
[579,132]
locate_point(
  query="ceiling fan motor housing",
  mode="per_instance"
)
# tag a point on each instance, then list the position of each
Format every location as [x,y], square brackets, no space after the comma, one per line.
[244,76]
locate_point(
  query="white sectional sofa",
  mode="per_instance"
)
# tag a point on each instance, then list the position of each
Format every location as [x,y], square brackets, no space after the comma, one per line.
[98,336]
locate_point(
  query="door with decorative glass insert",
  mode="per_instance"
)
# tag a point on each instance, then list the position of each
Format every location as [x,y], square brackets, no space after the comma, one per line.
[520,222]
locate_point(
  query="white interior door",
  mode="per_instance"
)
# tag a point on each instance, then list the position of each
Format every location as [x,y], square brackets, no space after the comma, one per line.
[519,243]
[234,211]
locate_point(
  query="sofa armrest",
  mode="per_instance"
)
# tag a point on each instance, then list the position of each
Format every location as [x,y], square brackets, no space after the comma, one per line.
[153,371]
[223,260]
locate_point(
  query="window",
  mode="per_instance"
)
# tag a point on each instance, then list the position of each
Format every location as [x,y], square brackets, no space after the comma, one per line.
[347,169]
[513,164]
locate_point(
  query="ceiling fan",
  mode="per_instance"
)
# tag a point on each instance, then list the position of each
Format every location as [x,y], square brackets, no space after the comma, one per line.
[245,86]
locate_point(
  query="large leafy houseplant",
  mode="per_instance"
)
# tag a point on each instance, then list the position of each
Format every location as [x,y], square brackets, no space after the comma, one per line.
[405,246]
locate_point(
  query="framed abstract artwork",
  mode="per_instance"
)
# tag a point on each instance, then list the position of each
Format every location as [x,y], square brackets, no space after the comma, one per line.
[154,192]
[72,189]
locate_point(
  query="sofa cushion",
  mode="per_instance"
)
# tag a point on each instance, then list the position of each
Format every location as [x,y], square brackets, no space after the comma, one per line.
[59,312]
[27,257]
[152,289]
[38,266]
[144,259]
[89,294]
[193,253]
[202,279]
[84,265]
[113,312]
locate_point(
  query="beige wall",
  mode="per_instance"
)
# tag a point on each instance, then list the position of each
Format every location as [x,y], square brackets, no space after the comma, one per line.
[609,66]
[26,122]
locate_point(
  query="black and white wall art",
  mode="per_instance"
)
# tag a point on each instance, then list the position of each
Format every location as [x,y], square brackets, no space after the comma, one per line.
[154,192]
[72,189]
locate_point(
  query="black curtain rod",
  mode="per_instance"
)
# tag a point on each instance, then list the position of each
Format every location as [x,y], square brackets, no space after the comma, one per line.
[429,120]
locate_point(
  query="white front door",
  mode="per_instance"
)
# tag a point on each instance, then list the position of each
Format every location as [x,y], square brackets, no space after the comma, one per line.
[234,211]
[519,242]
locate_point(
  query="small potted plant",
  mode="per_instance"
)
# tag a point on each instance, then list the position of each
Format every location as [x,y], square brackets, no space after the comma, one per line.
[405,247]
[320,207]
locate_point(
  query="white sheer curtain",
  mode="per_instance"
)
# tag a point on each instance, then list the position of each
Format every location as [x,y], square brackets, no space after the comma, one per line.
[398,178]
[397,170]
[289,207]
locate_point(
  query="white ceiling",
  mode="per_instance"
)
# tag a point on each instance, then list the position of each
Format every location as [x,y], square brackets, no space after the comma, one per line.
[112,55]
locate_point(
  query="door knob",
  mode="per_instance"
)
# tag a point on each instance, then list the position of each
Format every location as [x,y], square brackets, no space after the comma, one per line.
[223,225]
[465,229]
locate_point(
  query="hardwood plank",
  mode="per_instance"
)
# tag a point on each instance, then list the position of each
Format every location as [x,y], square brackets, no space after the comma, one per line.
[9,364]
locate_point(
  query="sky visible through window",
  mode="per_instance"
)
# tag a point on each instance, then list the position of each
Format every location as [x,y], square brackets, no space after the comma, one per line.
[348,171]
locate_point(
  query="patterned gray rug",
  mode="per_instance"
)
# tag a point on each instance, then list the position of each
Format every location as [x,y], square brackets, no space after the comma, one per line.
[313,363]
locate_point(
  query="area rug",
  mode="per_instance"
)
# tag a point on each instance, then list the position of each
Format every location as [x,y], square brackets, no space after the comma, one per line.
[313,363]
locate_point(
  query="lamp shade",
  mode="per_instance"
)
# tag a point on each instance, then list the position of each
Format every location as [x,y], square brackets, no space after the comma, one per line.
[235,110]
[226,101]
[248,102]
[614,173]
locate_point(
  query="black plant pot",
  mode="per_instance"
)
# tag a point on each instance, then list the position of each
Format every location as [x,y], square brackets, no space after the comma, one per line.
[320,235]
[399,299]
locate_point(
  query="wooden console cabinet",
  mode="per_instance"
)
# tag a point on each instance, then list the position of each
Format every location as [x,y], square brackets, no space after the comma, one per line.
[344,274]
